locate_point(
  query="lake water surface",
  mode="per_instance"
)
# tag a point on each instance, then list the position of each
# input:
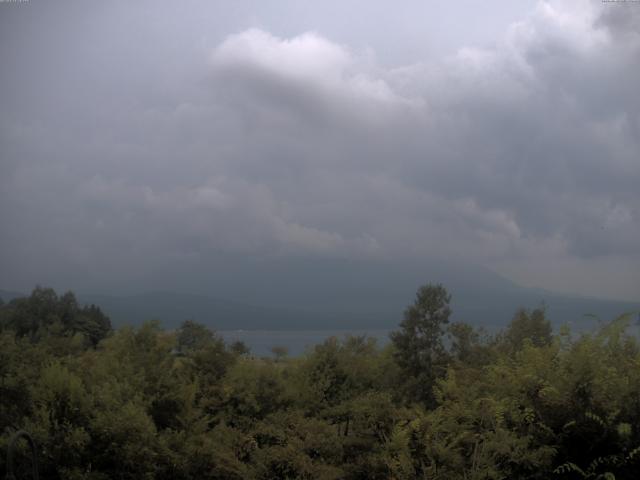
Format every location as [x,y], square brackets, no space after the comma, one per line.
[296,341]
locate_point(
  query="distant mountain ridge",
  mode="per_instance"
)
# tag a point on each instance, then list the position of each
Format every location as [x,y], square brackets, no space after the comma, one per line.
[346,295]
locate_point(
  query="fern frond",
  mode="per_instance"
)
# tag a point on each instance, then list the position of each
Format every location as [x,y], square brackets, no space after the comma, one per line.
[570,467]
[633,453]
[596,418]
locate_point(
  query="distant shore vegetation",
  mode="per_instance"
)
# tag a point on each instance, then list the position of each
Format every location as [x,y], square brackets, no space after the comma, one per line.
[441,400]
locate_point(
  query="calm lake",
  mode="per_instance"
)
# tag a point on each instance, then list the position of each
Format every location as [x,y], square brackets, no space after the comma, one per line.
[296,341]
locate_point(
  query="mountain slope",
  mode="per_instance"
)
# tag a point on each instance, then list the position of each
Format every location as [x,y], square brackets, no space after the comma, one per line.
[345,294]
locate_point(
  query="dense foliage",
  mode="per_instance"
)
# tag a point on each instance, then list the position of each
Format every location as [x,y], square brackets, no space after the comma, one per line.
[441,401]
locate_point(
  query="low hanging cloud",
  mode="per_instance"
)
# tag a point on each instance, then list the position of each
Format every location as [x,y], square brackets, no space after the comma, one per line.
[535,132]
[524,152]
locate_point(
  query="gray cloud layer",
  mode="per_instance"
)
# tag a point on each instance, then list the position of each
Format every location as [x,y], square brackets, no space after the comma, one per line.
[522,155]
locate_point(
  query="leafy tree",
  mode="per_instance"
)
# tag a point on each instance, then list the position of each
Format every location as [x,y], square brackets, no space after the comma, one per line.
[419,349]
[93,324]
[146,403]
[44,314]
[532,326]
[324,376]
[239,348]
[193,336]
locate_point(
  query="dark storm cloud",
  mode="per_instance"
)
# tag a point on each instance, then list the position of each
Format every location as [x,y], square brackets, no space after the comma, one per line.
[512,132]
[523,152]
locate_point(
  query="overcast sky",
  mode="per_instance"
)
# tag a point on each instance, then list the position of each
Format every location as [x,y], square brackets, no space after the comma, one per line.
[141,140]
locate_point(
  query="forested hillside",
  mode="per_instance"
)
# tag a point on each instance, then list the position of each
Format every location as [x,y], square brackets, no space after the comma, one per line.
[443,400]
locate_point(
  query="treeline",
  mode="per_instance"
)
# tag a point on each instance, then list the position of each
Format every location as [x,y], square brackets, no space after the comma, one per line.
[441,401]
